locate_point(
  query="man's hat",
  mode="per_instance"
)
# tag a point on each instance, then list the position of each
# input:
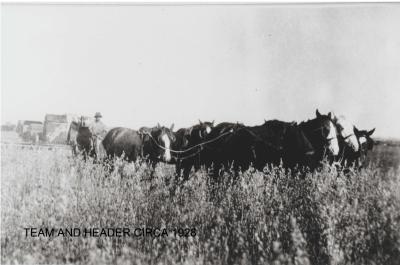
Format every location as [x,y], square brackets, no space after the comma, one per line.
[97,115]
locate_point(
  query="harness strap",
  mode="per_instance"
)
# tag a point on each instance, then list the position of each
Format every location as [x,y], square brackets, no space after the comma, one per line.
[348,136]
[188,156]
[330,139]
[208,142]
[261,139]
[190,148]
[317,129]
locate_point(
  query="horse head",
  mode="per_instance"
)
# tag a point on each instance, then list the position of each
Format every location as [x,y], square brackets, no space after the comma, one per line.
[200,131]
[346,133]
[364,139]
[326,133]
[164,137]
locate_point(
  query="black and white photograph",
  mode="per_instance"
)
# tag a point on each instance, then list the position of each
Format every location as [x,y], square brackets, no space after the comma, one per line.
[191,133]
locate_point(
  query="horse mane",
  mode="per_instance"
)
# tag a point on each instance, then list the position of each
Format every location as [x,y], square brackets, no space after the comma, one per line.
[84,131]
[307,121]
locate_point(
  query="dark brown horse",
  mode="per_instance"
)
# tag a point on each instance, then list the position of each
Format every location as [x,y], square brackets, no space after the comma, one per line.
[366,144]
[274,142]
[151,144]
[187,140]
[322,134]
[237,147]
[71,136]
[81,139]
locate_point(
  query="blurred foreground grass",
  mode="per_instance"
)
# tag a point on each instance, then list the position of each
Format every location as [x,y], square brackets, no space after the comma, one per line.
[275,217]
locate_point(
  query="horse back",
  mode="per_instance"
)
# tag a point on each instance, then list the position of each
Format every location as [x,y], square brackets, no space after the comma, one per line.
[125,141]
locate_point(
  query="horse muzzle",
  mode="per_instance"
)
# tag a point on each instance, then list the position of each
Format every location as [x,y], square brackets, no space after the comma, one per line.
[167,157]
[309,153]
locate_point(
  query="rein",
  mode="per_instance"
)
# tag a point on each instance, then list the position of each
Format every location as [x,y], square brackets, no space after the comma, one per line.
[190,148]
[208,142]
[260,139]
[317,129]
[188,156]
[345,137]
[330,139]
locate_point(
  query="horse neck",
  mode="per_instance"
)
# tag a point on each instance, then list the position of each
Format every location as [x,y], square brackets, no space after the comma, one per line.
[84,130]
[153,142]
[195,136]
[148,145]
[73,125]
[310,129]
[260,130]
[310,126]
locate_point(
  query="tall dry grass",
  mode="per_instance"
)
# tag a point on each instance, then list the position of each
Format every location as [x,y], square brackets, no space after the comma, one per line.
[274,217]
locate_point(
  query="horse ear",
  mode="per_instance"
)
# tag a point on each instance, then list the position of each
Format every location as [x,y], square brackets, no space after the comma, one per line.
[189,131]
[334,118]
[371,132]
[200,122]
[213,123]
[330,115]
[172,126]
[317,113]
[356,131]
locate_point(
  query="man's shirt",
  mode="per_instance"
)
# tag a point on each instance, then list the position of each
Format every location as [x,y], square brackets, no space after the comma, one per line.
[98,128]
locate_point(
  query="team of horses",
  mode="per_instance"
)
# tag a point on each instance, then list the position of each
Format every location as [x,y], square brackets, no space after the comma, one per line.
[234,145]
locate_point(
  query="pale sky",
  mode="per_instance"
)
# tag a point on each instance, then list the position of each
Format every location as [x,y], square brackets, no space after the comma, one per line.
[139,65]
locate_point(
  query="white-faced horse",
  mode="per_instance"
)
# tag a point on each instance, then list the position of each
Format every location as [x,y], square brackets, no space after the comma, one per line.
[152,144]
[322,134]
[352,142]
[347,137]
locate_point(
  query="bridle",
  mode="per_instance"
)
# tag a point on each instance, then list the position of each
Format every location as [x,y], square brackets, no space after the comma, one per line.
[262,140]
[328,139]
[348,136]
[156,142]
[200,146]
[339,129]
[188,149]
[202,134]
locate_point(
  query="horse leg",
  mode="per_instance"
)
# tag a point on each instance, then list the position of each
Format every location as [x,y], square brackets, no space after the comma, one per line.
[153,170]
[108,163]
[84,153]
[186,172]
[237,170]
[215,180]
[197,165]
[216,173]
[73,150]
[178,171]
